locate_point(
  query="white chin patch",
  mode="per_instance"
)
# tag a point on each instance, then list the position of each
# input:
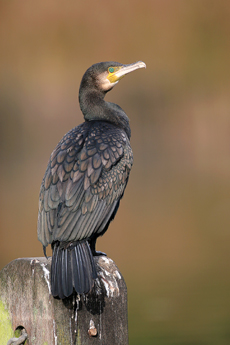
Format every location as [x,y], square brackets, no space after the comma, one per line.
[104,83]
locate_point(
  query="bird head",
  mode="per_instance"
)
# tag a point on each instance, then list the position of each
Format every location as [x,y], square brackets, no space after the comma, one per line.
[105,75]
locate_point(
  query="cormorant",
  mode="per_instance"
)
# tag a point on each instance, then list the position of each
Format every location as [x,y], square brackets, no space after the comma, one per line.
[84,181]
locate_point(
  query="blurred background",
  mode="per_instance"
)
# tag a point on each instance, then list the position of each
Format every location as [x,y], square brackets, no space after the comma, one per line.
[171,236]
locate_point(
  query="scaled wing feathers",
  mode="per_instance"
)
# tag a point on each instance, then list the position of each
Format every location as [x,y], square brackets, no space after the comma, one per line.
[85,178]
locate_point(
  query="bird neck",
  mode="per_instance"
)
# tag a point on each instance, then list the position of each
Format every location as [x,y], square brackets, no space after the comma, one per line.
[94,107]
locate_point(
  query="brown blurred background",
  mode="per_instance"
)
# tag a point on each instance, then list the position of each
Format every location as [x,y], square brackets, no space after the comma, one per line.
[171,236]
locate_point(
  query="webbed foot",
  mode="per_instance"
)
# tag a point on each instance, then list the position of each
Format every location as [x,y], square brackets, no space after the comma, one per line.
[98,253]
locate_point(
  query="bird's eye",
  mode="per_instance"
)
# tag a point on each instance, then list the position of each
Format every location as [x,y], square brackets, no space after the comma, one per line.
[111,69]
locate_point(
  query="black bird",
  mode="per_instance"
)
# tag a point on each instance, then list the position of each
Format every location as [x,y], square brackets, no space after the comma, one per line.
[84,181]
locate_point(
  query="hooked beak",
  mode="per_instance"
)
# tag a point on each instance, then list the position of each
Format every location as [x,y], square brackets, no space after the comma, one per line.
[125,69]
[121,71]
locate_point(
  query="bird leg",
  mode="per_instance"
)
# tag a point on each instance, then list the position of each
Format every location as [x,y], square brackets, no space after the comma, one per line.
[92,244]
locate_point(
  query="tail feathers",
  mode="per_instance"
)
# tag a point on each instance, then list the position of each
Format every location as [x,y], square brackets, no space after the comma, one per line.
[73,268]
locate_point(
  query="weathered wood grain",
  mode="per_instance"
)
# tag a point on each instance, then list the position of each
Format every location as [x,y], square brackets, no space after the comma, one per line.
[26,300]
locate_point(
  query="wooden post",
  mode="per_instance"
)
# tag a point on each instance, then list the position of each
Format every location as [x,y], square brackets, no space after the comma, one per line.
[26,301]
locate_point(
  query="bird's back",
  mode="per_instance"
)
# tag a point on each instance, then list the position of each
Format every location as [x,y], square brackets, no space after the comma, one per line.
[86,175]
[83,184]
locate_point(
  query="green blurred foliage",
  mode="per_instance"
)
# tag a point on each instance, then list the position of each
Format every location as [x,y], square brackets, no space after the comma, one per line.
[171,236]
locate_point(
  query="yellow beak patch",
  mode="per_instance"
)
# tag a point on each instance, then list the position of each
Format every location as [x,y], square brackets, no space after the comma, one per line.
[112,77]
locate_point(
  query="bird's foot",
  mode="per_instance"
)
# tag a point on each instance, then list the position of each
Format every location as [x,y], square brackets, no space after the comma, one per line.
[97,253]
